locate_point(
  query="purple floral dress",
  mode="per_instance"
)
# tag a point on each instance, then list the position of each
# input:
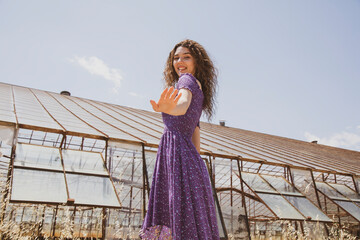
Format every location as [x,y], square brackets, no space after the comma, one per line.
[181,204]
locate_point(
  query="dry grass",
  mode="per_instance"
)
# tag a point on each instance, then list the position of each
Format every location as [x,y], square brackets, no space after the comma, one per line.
[36,221]
[311,231]
[27,222]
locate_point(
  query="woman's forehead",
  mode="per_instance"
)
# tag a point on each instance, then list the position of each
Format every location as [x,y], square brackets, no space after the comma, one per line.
[182,50]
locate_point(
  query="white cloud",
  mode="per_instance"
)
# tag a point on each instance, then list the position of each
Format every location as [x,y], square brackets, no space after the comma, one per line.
[114,90]
[343,140]
[98,67]
[311,137]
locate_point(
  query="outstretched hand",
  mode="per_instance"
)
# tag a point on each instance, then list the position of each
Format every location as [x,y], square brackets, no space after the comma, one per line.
[167,102]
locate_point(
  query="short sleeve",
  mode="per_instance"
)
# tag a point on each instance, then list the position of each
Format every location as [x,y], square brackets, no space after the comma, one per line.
[188,81]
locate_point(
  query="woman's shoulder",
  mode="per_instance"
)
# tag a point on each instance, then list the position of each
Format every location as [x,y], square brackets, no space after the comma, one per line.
[190,77]
[187,76]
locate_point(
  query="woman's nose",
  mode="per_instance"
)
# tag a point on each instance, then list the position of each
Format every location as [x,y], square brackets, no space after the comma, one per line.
[180,59]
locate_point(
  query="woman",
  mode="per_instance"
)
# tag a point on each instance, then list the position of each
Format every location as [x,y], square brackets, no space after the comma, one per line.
[181,204]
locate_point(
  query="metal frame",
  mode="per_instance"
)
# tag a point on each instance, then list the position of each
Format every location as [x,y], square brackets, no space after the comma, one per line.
[262,167]
[254,152]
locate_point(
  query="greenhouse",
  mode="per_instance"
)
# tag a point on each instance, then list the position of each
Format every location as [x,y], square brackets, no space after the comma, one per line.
[76,168]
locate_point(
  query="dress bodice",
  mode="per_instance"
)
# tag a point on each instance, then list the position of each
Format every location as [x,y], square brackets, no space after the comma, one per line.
[185,124]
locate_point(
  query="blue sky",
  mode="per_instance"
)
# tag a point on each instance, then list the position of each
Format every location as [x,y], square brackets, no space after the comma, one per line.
[286,68]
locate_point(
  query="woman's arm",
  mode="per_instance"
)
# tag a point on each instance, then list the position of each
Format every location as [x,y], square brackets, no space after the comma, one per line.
[196,139]
[172,103]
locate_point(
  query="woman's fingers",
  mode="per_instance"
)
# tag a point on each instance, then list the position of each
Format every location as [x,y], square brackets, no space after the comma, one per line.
[163,94]
[173,95]
[154,105]
[177,98]
[168,94]
[168,100]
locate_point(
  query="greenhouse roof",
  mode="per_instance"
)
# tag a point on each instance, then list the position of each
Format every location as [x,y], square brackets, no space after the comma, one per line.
[34,109]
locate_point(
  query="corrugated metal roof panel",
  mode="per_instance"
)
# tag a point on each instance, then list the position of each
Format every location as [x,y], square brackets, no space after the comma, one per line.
[30,112]
[84,117]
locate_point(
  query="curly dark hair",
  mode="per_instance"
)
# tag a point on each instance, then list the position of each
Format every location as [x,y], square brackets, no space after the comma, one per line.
[205,72]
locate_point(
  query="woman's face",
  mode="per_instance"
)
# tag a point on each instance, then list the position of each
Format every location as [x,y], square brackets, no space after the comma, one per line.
[183,61]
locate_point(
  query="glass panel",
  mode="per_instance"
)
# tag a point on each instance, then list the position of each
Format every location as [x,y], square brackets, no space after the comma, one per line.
[118,120]
[218,146]
[92,190]
[127,113]
[280,206]
[63,116]
[48,220]
[123,145]
[257,183]
[80,161]
[357,182]
[330,192]
[38,186]
[7,116]
[307,208]
[233,213]
[37,122]
[91,118]
[348,192]
[218,220]
[29,110]
[38,156]
[7,135]
[150,164]
[351,208]
[281,185]
[222,170]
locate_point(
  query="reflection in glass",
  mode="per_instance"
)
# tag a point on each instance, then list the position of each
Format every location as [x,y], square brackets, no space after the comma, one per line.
[281,185]
[256,182]
[357,182]
[328,191]
[92,190]
[351,208]
[348,192]
[307,208]
[38,186]
[234,213]
[79,161]
[37,156]
[280,206]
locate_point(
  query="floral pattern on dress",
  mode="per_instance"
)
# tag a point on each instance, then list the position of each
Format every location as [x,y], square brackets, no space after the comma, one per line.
[181,197]
[158,232]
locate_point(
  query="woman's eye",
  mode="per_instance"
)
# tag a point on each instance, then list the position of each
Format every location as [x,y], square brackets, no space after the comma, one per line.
[176,58]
